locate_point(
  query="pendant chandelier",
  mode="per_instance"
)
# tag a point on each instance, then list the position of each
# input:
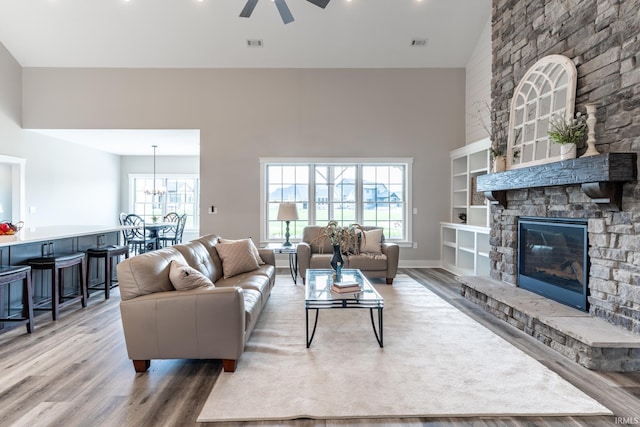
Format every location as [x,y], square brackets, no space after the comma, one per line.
[155,191]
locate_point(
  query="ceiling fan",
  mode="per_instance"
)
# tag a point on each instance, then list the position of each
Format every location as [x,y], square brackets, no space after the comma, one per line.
[285,13]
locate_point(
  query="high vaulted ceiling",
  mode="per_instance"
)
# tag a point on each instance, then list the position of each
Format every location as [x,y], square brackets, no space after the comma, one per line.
[210,33]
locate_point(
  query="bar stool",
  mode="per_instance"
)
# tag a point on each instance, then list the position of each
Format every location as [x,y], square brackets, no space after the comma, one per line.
[10,274]
[108,253]
[57,264]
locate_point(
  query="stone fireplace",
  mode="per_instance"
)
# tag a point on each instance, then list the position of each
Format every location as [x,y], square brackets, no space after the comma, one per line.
[603,40]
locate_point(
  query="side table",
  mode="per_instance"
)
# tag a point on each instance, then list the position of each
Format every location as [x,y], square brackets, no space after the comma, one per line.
[292,250]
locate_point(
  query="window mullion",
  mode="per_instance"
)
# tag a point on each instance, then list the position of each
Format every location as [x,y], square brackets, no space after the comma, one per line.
[359,193]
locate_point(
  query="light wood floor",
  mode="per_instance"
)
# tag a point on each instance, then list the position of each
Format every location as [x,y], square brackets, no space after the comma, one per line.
[75,372]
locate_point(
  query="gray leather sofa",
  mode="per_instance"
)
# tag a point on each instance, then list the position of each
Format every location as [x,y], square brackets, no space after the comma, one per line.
[317,254]
[211,322]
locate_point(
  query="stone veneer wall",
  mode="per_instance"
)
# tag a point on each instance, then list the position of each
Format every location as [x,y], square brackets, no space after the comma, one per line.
[602,37]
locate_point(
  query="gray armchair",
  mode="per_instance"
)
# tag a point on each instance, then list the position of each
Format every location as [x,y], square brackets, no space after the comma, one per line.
[317,254]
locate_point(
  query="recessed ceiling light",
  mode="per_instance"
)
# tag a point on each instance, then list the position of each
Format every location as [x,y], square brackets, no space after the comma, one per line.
[418,42]
[254,43]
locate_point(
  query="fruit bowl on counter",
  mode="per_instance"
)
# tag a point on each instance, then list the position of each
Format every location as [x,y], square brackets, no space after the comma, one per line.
[8,230]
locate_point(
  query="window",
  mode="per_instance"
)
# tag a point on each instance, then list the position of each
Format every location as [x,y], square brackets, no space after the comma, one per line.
[369,192]
[174,193]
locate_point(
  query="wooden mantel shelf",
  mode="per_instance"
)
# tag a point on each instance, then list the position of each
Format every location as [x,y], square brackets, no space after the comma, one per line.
[601,178]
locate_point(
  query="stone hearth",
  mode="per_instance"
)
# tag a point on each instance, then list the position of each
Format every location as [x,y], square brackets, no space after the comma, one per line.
[587,340]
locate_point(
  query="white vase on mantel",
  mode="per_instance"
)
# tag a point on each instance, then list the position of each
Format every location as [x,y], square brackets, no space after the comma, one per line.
[591,135]
[499,164]
[568,151]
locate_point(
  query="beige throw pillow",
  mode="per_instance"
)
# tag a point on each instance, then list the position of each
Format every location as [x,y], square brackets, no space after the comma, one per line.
[254,249]
[183,277]
[372,241]
[237,257]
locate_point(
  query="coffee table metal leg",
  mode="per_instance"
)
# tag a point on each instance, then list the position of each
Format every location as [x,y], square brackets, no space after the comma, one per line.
[315,323]
[378,333]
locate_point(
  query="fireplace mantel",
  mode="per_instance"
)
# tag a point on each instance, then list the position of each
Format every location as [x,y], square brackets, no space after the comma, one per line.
[601,178]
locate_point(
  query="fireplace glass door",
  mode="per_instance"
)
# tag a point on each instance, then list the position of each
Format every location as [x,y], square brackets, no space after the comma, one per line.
[553,259]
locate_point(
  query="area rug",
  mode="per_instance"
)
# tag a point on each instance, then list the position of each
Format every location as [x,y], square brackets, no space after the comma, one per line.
[436,361]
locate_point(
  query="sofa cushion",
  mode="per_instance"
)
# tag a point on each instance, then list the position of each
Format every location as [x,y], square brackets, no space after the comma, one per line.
[322,261]
[252,246]
[210,241]
[184,277]
[197,256]
[311,235]
[371,241]
[254,280]
[368,261]
[147,273]
[237,257]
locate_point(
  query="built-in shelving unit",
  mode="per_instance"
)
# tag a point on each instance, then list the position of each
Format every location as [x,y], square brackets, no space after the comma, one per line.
[465,245]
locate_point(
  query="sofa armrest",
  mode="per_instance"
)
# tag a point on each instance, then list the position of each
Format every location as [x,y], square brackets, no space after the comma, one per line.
[202,323]
[303,252]
[267,256]
[392,251]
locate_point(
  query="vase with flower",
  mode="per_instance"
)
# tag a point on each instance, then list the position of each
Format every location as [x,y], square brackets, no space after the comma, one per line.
[568,133]
[343,239]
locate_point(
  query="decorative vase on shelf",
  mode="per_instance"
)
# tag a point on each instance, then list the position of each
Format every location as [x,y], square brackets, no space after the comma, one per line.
[568,151]
[499,164]
[591,135]
[336,258]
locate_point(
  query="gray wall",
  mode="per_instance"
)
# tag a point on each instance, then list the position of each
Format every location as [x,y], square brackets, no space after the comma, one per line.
[251,113]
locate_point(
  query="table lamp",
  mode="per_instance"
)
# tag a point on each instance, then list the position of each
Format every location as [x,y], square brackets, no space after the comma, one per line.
[287,212]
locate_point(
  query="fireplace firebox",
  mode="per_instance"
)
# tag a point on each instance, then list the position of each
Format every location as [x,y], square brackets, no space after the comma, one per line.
[553,259]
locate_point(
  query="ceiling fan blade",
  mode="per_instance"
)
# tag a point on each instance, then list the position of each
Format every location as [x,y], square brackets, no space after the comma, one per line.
[248,8]
[285,13]
[320,3]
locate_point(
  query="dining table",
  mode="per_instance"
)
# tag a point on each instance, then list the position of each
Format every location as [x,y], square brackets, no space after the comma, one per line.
[155,228]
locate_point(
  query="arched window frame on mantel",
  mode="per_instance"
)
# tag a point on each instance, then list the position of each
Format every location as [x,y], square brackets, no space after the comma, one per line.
[547,89]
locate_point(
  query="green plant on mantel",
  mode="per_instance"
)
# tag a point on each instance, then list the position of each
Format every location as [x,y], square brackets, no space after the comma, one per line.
[571,131]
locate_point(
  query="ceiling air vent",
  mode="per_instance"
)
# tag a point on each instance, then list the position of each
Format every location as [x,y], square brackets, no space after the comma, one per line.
[254,43]
[418,42]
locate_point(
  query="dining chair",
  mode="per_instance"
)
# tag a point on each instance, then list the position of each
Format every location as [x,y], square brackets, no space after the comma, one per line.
[137,238]
[167,236]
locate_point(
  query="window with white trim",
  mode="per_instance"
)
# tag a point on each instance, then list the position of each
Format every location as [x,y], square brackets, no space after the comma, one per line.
[372,192]
[173,193]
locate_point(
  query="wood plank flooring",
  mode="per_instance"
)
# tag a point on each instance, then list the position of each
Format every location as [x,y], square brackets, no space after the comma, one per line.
[75,372]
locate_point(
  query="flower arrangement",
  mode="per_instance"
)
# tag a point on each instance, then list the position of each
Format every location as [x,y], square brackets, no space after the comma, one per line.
[571,131]
[347,237]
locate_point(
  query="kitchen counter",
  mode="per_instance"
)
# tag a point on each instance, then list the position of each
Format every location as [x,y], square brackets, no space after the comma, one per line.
[48,233]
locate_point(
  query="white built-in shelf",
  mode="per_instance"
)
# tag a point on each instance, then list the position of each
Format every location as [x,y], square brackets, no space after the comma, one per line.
[465,246]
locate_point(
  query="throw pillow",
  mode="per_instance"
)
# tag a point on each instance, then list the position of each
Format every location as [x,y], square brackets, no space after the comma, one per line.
[237,257]
[372,241]
[254,249]
[183,277]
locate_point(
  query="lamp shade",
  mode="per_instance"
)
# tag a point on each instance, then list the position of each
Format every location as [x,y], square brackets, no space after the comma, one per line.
[287,212]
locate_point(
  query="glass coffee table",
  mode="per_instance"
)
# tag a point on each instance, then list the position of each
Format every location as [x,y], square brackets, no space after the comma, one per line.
[318,295]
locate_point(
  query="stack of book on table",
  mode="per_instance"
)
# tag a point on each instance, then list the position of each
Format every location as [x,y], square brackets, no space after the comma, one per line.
[346,287]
